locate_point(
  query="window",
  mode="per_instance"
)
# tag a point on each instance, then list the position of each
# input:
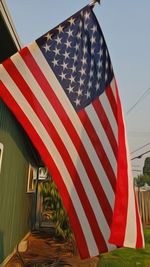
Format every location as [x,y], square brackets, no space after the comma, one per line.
[32,175]
[42,173]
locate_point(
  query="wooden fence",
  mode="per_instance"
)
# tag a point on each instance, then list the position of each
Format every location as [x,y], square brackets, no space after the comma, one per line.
[144,205]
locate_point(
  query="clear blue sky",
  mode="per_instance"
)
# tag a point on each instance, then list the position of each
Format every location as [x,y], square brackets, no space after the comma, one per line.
[126,27]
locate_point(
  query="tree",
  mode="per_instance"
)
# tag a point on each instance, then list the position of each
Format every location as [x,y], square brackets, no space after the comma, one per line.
[141,180]
[146,168]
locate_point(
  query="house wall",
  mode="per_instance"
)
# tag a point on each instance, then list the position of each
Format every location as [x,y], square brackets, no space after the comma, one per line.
[16,206]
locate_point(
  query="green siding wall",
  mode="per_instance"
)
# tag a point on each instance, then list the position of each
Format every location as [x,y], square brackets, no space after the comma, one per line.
[16,206]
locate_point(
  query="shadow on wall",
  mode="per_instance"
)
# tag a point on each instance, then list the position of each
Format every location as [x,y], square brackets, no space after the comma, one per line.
[10,125]
[1,248]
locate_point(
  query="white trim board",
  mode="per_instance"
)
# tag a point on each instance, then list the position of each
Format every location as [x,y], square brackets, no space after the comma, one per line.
[14,251]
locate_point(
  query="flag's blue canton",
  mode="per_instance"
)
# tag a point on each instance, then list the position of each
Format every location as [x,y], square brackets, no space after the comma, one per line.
[77,53]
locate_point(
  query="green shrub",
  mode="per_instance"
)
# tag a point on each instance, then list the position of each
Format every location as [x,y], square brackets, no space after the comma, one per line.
[53,202]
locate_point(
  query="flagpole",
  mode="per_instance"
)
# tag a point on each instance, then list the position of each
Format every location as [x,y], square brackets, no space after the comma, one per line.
[93,3]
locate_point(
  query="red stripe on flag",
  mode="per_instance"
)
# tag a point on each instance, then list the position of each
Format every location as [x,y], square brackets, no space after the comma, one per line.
[139,241]
[112,100]
[25,89]
[42,81]
[36,140]
[98,147]
[118,227]
[106,125]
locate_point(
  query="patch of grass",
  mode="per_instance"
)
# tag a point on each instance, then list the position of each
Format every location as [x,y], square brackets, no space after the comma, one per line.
[126,257]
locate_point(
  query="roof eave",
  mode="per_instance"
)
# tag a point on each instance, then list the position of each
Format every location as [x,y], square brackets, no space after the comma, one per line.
[10,25]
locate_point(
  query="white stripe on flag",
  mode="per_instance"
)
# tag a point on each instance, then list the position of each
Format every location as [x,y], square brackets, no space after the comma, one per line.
[131,225]
[107,108]
[102,136]
[113,87]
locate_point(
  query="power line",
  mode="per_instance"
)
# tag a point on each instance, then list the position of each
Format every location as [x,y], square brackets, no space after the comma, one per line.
[141,155]
[139,100]
[140,148]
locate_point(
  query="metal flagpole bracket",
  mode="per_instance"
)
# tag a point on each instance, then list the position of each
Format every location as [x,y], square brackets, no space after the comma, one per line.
[93,3]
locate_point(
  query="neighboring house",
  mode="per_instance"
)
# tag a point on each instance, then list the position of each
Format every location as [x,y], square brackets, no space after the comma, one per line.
[17,207]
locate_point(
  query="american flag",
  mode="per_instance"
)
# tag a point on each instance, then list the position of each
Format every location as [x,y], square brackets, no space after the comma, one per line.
[62,90]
